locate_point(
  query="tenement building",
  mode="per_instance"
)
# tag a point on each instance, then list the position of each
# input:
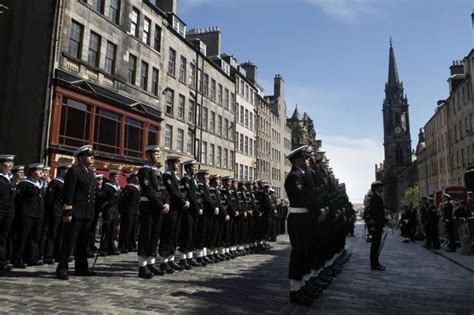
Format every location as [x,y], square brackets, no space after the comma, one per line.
[447,137]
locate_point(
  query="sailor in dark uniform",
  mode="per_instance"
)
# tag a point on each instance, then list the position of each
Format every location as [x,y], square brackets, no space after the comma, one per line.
[54,203]
[153,204]
[128,208]
[30,211]
[7,207]
[448,218]
[376,220]
[233,212]
[255,215]
[79,203]
[190,214]
[209,227]
[91,247]
[300,228]
[110,212]
[216,241]
[246,213]
[18,173]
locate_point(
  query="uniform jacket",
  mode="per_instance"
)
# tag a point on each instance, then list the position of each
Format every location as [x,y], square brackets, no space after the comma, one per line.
[30,198]
[148,177]
[208,203]
[175,191]
[110,199]
[129,199]
[192,193]
[53,199]
[230,200]
[298,190]
[376,210]
[216,195]
[7,194]
[79,192]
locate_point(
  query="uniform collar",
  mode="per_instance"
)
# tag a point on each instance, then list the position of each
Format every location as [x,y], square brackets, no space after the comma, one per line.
[59,179]
[134,185]
[114,186]
[39,184]
[149,165]
[7,176]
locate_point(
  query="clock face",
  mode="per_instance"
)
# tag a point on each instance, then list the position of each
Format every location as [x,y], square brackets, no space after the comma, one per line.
[398,130]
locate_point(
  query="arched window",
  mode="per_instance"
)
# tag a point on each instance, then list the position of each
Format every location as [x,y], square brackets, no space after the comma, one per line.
[398,154]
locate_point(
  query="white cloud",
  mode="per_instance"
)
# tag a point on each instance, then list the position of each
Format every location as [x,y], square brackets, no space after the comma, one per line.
[353,161]
[348,11]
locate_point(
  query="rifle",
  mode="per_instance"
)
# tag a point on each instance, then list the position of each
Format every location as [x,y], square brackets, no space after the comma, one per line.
[383,242]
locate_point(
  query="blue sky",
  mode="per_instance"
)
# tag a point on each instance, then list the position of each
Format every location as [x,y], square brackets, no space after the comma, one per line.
[333,55]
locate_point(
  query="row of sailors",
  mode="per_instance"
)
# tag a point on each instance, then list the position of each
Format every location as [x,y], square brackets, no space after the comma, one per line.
[192,217]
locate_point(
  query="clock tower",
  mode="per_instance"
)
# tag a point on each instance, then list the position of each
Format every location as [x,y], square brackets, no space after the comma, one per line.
[397,139]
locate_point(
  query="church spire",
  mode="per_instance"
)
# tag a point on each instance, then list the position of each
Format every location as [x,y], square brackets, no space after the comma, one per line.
[392,66]
[296,114]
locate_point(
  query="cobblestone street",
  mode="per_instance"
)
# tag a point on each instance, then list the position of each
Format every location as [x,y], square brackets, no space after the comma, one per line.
[416,281]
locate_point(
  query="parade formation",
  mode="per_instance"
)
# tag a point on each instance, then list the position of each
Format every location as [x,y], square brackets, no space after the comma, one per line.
[174,222]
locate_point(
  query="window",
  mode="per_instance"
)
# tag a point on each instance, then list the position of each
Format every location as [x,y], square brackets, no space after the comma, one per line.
[98,5]
[251,121]
[232,102]
[246,174]
[246,92]
[242,115]
[250,146]
[172,62]
[241,172]
[242,88]
[133,138]
[192,76]
[132,68]
[219,156]
[212,122]
[134,17]
[206,84]
[155,75]
[204,118]
[181,106]
[110,55]
[231,157]
[152,135]
[168,137]
[157,40]
[204,152]
[190,144]
[220,95]
[75,122]
[246,118]
[107,132]
[219,125]
[75,40]
[226,128]
[212,149]
[93,56]
[179,140]
[144,76]
[114,11]
[182,70]
[213,90]
[169,97]
[146,30]
[246,145]
[191,110]
[226,98]
[225,159]
[241,144]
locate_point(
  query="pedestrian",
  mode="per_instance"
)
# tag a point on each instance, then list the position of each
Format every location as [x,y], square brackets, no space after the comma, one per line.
[7,208]
[79,203]
[153,204]
[376,220]
[54,202]
[448,211]
[128,209]
[29,204]
[208,224]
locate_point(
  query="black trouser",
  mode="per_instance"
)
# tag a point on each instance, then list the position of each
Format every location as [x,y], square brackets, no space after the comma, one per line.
[451,236]
[6,221]
[214,228]
[75,236]
[317,247]
[28,236]
[169,233]
[243,231]
[109,228]
[375,247]
[186,233]
[225,233]
[149,233]
[200,231]
[93,232]
[235,232]
[54,237]
[127,224]
[300,230]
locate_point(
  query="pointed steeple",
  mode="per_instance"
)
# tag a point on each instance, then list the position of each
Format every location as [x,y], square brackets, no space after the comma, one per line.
[296,114]
[392,66]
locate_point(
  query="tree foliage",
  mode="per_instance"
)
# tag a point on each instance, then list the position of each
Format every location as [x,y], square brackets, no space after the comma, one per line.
[412,196]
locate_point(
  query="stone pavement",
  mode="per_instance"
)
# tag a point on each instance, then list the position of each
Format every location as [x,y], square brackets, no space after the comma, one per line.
[416,281]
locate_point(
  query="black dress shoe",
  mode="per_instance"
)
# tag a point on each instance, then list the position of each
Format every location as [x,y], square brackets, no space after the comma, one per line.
[175,266]
[227,256]
[193,263]
[103,254]
[298,297]
[85,273]
[144,272]
[209,259]
[62,274]
[379,268]
[20,264]
[166,268]
[90,254]
[114,252]
[155,271]
[124,251]
[312,292]
[49,261]
[200,261]
[319,283]
[324,277]
[184,264]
